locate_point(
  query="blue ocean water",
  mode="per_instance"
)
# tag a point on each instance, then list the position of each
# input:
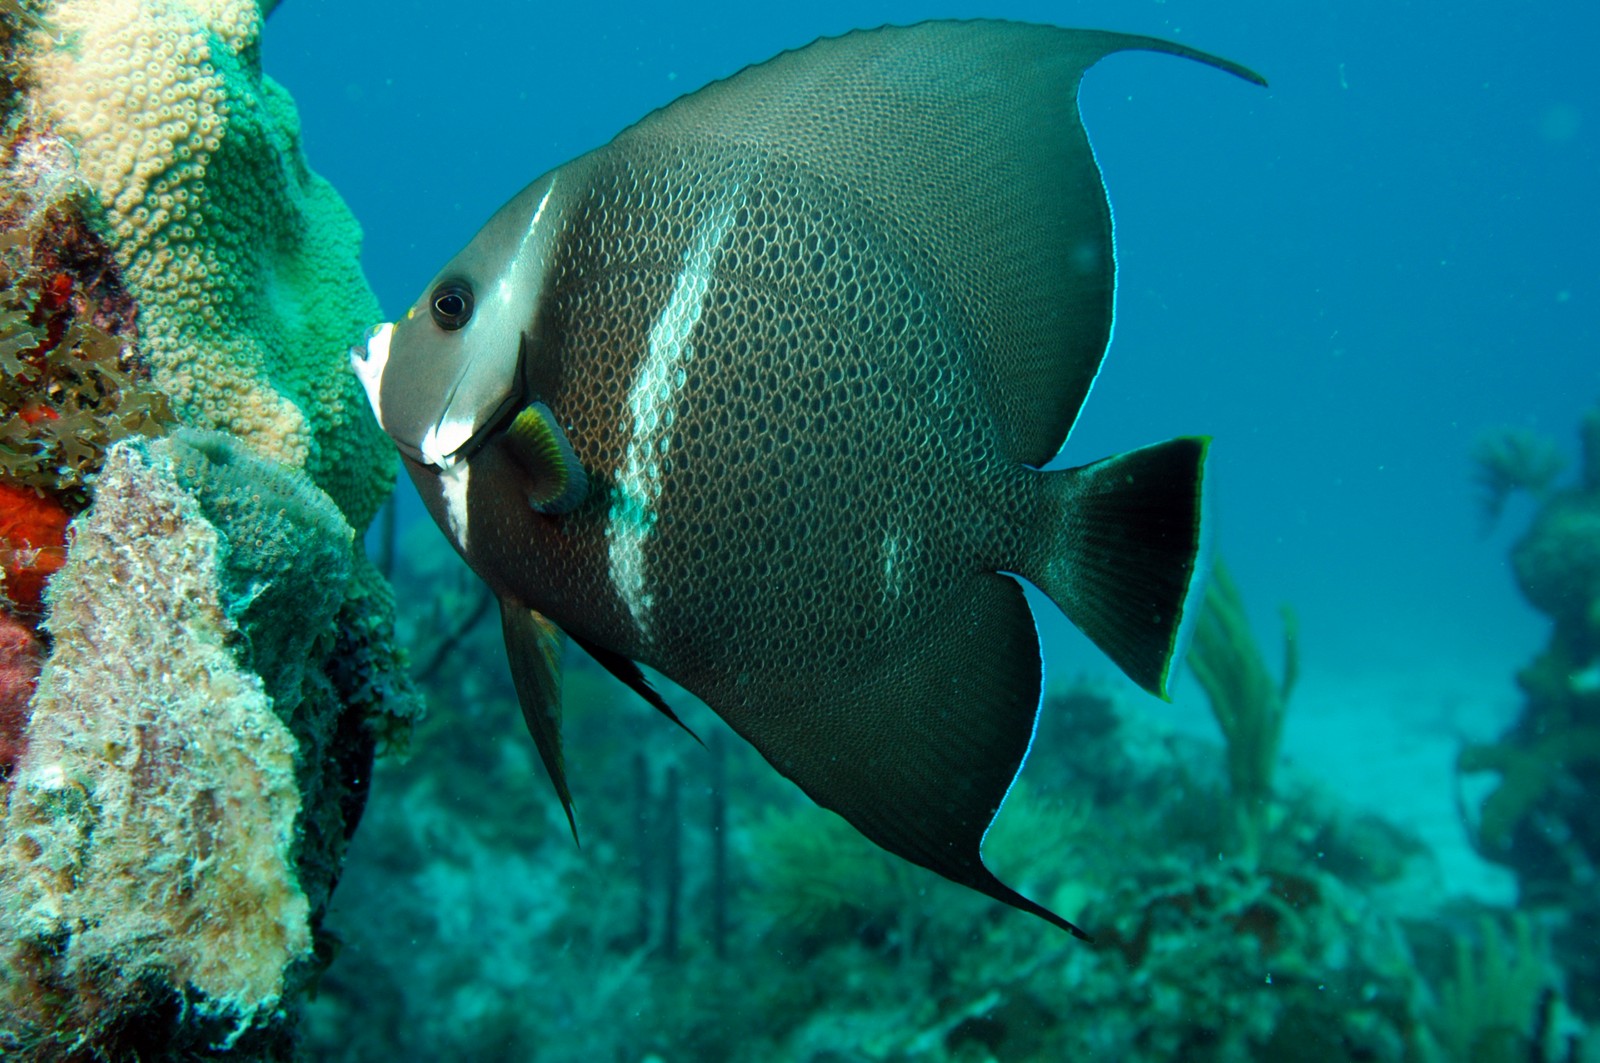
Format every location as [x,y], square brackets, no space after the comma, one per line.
[1344,279]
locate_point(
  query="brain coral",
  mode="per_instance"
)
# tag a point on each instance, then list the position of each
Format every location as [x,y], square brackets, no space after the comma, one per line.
[243,261]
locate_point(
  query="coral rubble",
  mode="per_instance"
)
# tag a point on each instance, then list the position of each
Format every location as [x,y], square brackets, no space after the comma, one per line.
[191,774]
[149,835]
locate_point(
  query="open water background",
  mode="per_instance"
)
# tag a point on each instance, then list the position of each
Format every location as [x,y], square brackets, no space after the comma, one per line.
[1344,279]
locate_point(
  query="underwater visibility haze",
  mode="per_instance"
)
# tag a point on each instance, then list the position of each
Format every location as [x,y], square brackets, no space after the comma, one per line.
[782,391]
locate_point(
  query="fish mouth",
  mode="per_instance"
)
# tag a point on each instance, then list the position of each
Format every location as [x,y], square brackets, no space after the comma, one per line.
[449,440]
[369,359]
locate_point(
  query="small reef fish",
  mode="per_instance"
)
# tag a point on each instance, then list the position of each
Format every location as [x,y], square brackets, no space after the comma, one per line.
[757,395]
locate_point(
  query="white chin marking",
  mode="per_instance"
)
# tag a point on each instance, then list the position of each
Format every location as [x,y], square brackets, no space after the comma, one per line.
[453,480]
[370,361]
[442,440]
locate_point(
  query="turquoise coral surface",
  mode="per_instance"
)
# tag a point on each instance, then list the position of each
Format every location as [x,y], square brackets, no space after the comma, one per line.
[195,679]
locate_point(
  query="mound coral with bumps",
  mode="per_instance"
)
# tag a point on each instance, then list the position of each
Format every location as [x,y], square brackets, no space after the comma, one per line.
[242,260]
[188,725]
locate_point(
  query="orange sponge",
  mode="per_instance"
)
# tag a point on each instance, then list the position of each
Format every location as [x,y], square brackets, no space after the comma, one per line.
[33,544]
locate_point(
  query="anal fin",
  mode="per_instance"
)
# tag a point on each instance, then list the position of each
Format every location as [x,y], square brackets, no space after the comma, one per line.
[918,751]
[533,647]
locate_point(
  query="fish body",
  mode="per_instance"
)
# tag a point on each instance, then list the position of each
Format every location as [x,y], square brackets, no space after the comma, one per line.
[756,395]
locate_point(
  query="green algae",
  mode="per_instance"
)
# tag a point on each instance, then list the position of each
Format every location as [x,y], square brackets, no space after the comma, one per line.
[71,381]
[1248,703]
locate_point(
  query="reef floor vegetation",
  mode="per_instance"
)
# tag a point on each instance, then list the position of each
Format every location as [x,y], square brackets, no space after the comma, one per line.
[1240,910]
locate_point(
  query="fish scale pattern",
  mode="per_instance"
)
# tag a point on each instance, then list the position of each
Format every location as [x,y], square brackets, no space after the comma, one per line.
[817,355]
[806,330]
[936,133]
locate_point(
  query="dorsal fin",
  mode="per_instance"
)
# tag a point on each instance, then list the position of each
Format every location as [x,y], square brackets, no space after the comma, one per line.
[961,142]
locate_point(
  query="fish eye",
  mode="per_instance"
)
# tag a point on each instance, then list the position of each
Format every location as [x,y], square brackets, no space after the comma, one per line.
[451,305]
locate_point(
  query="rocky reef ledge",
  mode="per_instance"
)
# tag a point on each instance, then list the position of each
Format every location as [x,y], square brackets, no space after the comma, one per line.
[197,661]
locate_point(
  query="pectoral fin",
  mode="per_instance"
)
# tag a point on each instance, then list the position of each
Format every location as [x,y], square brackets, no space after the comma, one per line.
[533,646]
[556,480]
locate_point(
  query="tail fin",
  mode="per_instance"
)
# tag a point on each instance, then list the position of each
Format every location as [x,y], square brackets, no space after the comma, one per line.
[1121,554]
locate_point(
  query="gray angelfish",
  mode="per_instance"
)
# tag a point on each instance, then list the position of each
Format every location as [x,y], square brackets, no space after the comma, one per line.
[757,395]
